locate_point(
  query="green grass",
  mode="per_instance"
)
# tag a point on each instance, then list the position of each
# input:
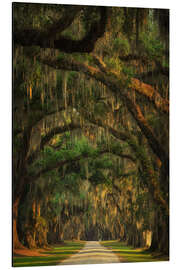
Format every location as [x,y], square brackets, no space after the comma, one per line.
[54,256]
[130,254]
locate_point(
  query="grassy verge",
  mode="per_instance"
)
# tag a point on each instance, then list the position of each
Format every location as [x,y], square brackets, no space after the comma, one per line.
[52,256]
[130,254]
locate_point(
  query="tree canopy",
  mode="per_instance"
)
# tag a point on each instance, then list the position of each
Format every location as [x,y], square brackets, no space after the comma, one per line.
[90,124]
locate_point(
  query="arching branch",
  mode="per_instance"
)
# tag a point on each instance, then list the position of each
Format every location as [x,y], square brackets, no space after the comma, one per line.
[77,158]
[152,182]
[117,86]
[43,39]
[49,136]
[148,91]
[152,73]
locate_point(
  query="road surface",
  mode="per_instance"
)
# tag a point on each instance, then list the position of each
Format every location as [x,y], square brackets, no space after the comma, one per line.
[92,253]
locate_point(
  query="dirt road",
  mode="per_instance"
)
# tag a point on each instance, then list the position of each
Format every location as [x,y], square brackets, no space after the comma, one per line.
[92,253]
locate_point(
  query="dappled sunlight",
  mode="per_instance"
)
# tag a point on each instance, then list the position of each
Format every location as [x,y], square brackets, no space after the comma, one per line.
[90,134]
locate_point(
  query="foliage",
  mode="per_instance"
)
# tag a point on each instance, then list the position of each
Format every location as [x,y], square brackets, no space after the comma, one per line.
[54,255]
[114,64]
[101,177]
[121,46]
[152,46]
[130,254]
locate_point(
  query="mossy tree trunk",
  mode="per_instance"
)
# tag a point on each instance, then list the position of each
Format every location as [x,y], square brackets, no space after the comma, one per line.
[16,242]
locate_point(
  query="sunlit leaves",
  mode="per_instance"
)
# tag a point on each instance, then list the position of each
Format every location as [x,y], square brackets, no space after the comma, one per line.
[152,46]
[121,46]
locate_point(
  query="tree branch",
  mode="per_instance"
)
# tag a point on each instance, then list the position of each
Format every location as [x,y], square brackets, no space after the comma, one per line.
[131,57]
[152,73]
[151,179]
[142,58]
[43,39]
[64,22]
[117,87]
[79,157]
[49,136]
[142,88]
[151,95]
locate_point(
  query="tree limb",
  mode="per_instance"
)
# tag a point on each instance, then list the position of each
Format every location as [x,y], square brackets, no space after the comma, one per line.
[117,87]
[49,136]
[144,89]
[152,73]
[65,44]
[152,182]
[142,58]
[79,157]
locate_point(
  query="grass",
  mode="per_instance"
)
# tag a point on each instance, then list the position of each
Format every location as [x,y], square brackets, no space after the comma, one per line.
[55,255]
[130,254]
[58,253]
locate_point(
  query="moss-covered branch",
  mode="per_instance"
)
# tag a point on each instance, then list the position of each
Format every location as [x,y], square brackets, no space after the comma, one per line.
[49,136]
[150,175]
[117,87]
[45,39]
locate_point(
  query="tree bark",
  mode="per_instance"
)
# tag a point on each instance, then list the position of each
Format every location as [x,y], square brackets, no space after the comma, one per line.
[16,243]
[46,39]
[160,236]
[150,176]
[117,86]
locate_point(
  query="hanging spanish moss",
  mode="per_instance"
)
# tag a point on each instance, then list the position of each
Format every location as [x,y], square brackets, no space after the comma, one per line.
[91,135]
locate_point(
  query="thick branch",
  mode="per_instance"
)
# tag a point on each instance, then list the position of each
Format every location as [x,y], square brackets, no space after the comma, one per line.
[118,153]
[64,22]
[131,57]
[142,58]
[79,157]
[114,82]
[152,73]
[35,118]
[117,87]
[44,39]
[49,136]
[99,62]
[142,88]
[54,166]
[35,35]
[151,178]
[151,94]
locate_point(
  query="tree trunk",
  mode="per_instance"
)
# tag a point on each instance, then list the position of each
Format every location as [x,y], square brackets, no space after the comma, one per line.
[34,218]
[160,237]
[64,88]
[38,209]
[16,243]
[163,231]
